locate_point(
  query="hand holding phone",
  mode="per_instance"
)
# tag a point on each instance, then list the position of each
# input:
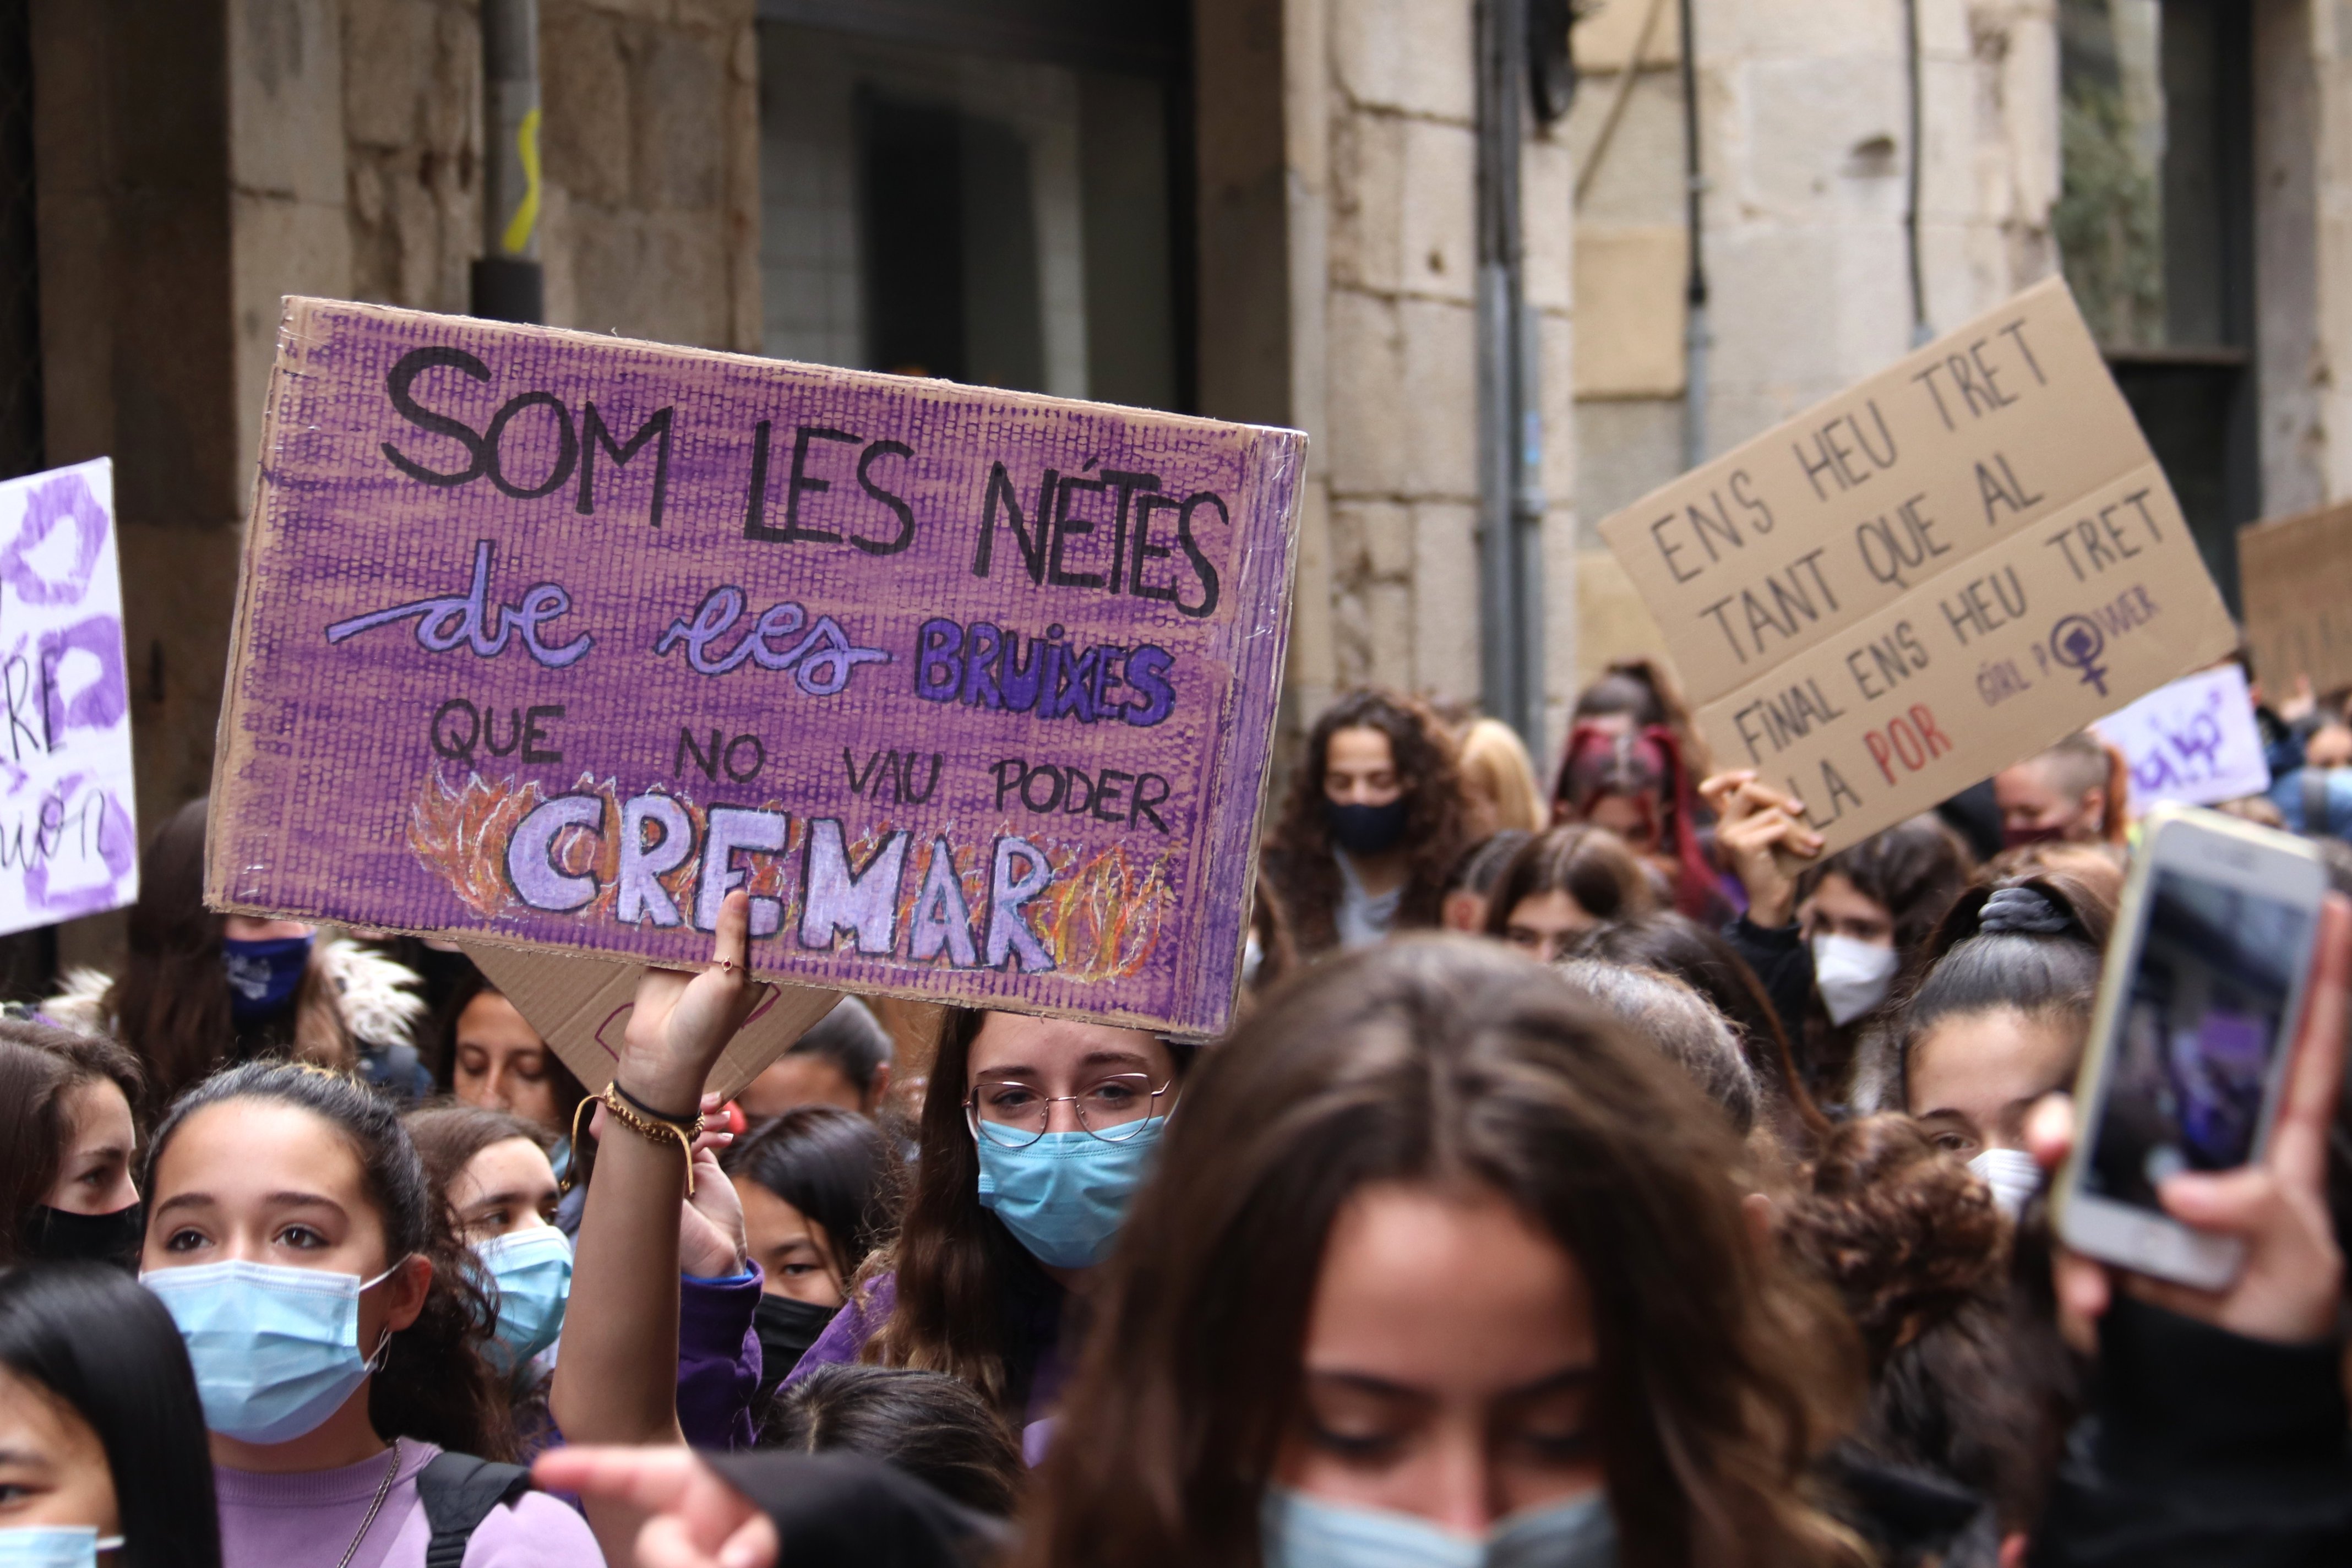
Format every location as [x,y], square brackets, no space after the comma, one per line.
[2273,1213]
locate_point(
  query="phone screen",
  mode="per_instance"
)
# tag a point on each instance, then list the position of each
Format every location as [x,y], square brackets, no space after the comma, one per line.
[2205,1022]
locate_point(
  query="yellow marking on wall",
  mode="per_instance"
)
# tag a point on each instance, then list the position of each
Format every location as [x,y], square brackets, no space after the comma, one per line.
[517,237]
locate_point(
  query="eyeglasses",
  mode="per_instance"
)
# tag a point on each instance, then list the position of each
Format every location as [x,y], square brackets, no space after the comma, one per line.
[1113,1109]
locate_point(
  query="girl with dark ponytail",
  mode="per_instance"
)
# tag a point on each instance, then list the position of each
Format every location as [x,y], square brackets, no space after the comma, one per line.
[335,1324]
[2000,1018]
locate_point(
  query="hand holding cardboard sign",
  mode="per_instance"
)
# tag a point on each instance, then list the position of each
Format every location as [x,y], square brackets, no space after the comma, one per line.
[1762,837]
[682,1022]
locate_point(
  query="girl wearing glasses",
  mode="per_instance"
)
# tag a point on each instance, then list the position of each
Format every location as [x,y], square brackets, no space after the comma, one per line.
[1034,1137]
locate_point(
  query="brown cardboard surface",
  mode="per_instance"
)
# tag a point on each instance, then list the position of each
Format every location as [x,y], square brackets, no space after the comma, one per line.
[2295,576]
[580,1005]
[1989,560]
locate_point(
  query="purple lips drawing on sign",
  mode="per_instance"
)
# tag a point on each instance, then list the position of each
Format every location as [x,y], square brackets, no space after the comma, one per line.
[556,639]
[68,842]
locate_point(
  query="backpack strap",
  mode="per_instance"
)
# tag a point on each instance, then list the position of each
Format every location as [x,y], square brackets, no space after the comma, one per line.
[458,1491]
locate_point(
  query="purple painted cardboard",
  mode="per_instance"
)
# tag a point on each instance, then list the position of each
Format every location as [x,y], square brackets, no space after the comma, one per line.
[69,832]
[958,745]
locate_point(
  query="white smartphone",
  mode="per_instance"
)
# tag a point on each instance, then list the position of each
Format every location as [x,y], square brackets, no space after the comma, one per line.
[2203,986]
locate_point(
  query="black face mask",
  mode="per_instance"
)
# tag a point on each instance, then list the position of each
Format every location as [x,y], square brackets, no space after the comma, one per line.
[786,1329]
[1367,830]
[58,1236]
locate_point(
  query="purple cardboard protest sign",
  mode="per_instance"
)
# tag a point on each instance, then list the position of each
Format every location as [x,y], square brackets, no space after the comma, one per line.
[554,638]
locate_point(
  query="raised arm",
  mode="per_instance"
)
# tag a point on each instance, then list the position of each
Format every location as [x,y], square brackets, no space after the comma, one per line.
[616,1370]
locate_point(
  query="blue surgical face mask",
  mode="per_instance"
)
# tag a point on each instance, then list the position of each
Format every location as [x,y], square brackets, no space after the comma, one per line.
[1302,1532]
[533,1270]
[1064,1196]
[276,1351]
[55,1546]
[263,976]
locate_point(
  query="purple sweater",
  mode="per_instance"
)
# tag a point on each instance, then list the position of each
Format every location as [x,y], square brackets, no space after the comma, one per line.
[717,1360]
[271,1520]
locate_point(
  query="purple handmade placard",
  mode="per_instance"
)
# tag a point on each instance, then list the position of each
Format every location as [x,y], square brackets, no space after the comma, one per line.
[68,837]
[553,638]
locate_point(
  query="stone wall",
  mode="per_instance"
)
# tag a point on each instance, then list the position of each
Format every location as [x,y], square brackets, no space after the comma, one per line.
[651,226]
[2303,226]
[197,160]
[1383,147]
[1804,126]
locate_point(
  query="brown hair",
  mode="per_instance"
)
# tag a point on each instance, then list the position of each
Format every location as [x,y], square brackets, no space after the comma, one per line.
[1969,1379]
[471,986]
[1299,856]
[959,1274]
[1898,1227]
[1590,865]
[170,1003]
[1452,1061]
[40,1067]
[449,1136]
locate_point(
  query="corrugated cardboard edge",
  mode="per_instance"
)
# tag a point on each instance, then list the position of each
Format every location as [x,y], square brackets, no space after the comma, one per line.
[580,1005]
[1277,458]
[230,747]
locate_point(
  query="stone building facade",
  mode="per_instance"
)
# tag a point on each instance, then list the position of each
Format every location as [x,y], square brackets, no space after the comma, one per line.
[1256,209]
[1835,235]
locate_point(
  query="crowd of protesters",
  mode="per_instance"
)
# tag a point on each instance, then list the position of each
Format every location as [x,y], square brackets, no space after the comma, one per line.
[1596,1173]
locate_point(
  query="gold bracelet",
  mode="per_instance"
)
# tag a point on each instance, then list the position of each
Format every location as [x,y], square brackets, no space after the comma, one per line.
[653,1130]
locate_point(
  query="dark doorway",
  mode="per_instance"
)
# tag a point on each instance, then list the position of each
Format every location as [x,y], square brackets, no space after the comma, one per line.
[2156,231]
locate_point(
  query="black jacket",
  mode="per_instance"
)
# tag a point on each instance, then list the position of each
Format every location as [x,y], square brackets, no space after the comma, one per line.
[2203,1447]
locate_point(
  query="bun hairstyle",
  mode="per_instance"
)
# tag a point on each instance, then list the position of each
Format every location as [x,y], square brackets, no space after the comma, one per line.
[1968,1381]
[1898,1227]
[2029,944]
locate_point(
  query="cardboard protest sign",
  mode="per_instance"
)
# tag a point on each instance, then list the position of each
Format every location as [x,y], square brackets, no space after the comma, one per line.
[68,837]
[581,1006]
[2294,575]
[551,639]
[1928,576]
[2193,740]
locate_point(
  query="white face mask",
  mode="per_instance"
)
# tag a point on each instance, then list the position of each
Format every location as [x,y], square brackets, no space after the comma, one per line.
[1854,976]
[2011,1173]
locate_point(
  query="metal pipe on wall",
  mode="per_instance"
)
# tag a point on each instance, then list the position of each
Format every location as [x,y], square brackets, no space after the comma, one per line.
[1695,337]
[508,284]
[1510,421]
[1915,173]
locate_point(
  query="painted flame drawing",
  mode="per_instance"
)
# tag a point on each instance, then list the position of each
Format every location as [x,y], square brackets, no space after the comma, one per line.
[1101,917]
